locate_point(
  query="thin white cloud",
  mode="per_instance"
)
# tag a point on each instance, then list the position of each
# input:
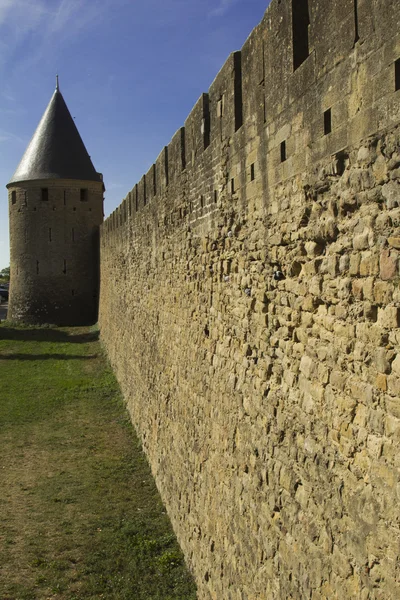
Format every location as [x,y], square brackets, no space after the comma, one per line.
[114,186]
[6,136]
[223,7]
[60,20]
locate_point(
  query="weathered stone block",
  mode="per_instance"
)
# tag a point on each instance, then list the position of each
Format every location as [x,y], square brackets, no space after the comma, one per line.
[388,265]
[389,317]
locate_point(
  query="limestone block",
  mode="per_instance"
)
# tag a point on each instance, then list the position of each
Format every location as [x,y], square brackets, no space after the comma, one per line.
[381,361]
[388,264]
[389,317]
[396,365]
[394,242]
[391,193]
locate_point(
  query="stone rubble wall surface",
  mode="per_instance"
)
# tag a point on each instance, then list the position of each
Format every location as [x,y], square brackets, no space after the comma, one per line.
[250,307]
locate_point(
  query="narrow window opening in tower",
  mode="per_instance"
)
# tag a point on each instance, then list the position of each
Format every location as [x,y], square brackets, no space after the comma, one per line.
[84,194]
[397,74]
[356,32]
[65,267]
[327,121]
[49,234]
[215,196]
[252,172]
[37,267]
[74,208]
[264,108]
[202,201]
[73,292]
[45,194]
[13,197]
[233,185]
[283,151]
[25,198]
[300,25]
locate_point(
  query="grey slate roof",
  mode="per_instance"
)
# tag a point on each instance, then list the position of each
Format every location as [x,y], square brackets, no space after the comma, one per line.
[56,150]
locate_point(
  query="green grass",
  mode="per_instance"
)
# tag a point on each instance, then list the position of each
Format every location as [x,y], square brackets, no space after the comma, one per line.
[80,517]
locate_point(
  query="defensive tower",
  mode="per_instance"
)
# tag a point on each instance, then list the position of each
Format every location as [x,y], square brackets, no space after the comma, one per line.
[56,208]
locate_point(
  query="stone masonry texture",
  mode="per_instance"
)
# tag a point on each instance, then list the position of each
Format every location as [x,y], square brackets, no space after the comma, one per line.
[250,307]
[54,245]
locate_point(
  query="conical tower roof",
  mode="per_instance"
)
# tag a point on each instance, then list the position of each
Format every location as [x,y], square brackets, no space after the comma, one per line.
[56,150]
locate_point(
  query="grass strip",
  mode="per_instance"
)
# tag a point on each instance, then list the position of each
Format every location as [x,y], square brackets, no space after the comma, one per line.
[80,516]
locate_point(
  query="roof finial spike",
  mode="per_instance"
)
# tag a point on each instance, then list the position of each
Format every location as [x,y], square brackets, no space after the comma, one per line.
[57,86]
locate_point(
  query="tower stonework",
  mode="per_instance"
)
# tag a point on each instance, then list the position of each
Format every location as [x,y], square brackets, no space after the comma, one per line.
[56,208]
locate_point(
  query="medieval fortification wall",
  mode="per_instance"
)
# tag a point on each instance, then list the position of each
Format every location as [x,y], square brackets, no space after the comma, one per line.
[250,306]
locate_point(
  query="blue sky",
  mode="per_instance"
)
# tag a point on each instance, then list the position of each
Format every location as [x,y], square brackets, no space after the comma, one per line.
[130,72]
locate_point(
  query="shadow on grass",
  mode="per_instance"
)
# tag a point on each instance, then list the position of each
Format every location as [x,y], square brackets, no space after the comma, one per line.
[46,356]
[46,335]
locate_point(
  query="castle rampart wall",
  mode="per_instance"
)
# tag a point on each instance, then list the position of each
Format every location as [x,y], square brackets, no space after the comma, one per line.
[250,307]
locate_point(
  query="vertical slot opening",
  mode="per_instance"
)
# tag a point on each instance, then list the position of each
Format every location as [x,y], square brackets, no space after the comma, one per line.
[300,25]
[238,90]
[220,107]
[206,126]
[233,185]
[84,195]
[283,151]
[166,165]
[183,148]
[202,201]
[65,267]
[45,194]
[252,172]
[13,197]
[327,121]
[215,196]
[397,74]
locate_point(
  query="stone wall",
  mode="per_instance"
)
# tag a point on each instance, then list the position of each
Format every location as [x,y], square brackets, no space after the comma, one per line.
[250,307]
